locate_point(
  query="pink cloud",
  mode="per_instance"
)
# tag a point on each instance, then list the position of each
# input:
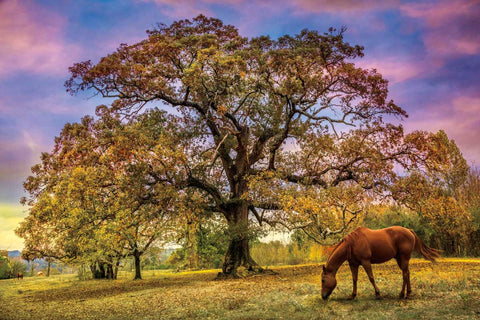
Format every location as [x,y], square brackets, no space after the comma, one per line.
[458,117]
[17,156]
[189,8]
[32,40]
[451,26]
[345,6]
[467,106]
[394,69]
[436,13]
[53,104]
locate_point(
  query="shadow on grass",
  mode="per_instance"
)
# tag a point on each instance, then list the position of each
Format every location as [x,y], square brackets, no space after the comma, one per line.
[93,289]
[367,298]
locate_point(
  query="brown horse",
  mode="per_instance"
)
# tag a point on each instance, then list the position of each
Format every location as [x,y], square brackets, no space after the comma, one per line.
[19,275]
[364,247]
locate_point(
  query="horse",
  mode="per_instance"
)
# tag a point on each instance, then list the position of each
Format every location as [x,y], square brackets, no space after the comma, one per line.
[19,275]
[364,247]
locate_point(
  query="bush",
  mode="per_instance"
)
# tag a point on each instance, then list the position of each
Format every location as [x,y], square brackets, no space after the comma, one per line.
[18,266]
[84,273]
[5,268]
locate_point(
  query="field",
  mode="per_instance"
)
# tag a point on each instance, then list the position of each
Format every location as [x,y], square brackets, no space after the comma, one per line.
[447,290]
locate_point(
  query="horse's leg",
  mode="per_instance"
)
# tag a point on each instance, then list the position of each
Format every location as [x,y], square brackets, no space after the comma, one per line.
[354,269]
[402,292]
[406,275]
[368,268]
[402,262]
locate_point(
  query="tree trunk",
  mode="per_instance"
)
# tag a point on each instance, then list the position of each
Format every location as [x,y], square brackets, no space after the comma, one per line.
[192,246]
[138,275]
[98,270]
[93,270]
[48,268]
[238,261]
[101,273]
[238,256]
[115,272]
[32,268]
[110,271]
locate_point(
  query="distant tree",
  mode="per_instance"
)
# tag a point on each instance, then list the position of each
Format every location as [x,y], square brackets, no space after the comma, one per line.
[204,243]
[17,266]
[470,195]
[435,192]
[30,257]
[5,267]
[270,254]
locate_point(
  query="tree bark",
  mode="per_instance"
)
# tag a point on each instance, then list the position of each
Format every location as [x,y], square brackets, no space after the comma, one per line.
[101,273]
[115,272]
[48,268]
[238,253]
[98,270]
[138,275]
[110,271]
[192,247]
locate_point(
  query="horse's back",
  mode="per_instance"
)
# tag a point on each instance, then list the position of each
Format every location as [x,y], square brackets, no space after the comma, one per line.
[384,244]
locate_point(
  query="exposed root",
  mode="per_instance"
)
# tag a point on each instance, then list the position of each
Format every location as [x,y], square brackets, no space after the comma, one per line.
[242,272]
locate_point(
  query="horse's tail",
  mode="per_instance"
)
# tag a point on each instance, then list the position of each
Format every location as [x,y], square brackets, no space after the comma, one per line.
[427,252]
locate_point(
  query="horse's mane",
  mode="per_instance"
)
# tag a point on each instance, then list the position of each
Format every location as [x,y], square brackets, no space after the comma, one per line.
[349,239]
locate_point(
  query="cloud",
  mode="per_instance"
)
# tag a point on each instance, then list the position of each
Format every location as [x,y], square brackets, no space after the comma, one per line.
[189,8]
[32,40]
[458,117]
[394,69]
[344,6]
[18,155]
[451,27]
[182,8]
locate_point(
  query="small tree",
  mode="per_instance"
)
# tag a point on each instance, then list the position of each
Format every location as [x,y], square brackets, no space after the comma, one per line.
[434,191]
[94,198]
[18,267]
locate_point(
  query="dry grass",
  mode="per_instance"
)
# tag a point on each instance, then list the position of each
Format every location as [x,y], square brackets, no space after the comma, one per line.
[448,290]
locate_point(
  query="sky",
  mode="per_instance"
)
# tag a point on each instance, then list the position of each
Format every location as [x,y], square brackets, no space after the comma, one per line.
[428,50]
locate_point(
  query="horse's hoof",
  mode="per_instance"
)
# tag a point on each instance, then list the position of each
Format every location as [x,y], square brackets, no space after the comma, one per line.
[352,297]
[379,297]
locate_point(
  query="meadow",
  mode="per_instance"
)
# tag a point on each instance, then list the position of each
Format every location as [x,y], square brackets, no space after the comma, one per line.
[449,289]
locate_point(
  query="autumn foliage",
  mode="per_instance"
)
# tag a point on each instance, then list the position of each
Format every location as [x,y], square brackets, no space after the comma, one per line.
[205,123]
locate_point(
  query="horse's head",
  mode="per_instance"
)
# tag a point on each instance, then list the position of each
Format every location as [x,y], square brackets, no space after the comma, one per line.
[328,283]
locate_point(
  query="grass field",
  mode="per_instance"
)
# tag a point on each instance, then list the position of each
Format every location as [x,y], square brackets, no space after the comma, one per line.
[447,290]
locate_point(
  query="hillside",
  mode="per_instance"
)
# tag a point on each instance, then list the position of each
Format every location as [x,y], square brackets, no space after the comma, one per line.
[14,254]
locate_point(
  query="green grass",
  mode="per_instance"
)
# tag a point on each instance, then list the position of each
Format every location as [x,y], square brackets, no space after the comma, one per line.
[447,290]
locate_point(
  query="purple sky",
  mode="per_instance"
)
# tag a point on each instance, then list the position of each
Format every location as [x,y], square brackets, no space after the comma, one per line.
[429,51]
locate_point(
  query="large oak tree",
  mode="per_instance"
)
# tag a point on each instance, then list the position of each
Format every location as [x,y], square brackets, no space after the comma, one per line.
[261,120]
